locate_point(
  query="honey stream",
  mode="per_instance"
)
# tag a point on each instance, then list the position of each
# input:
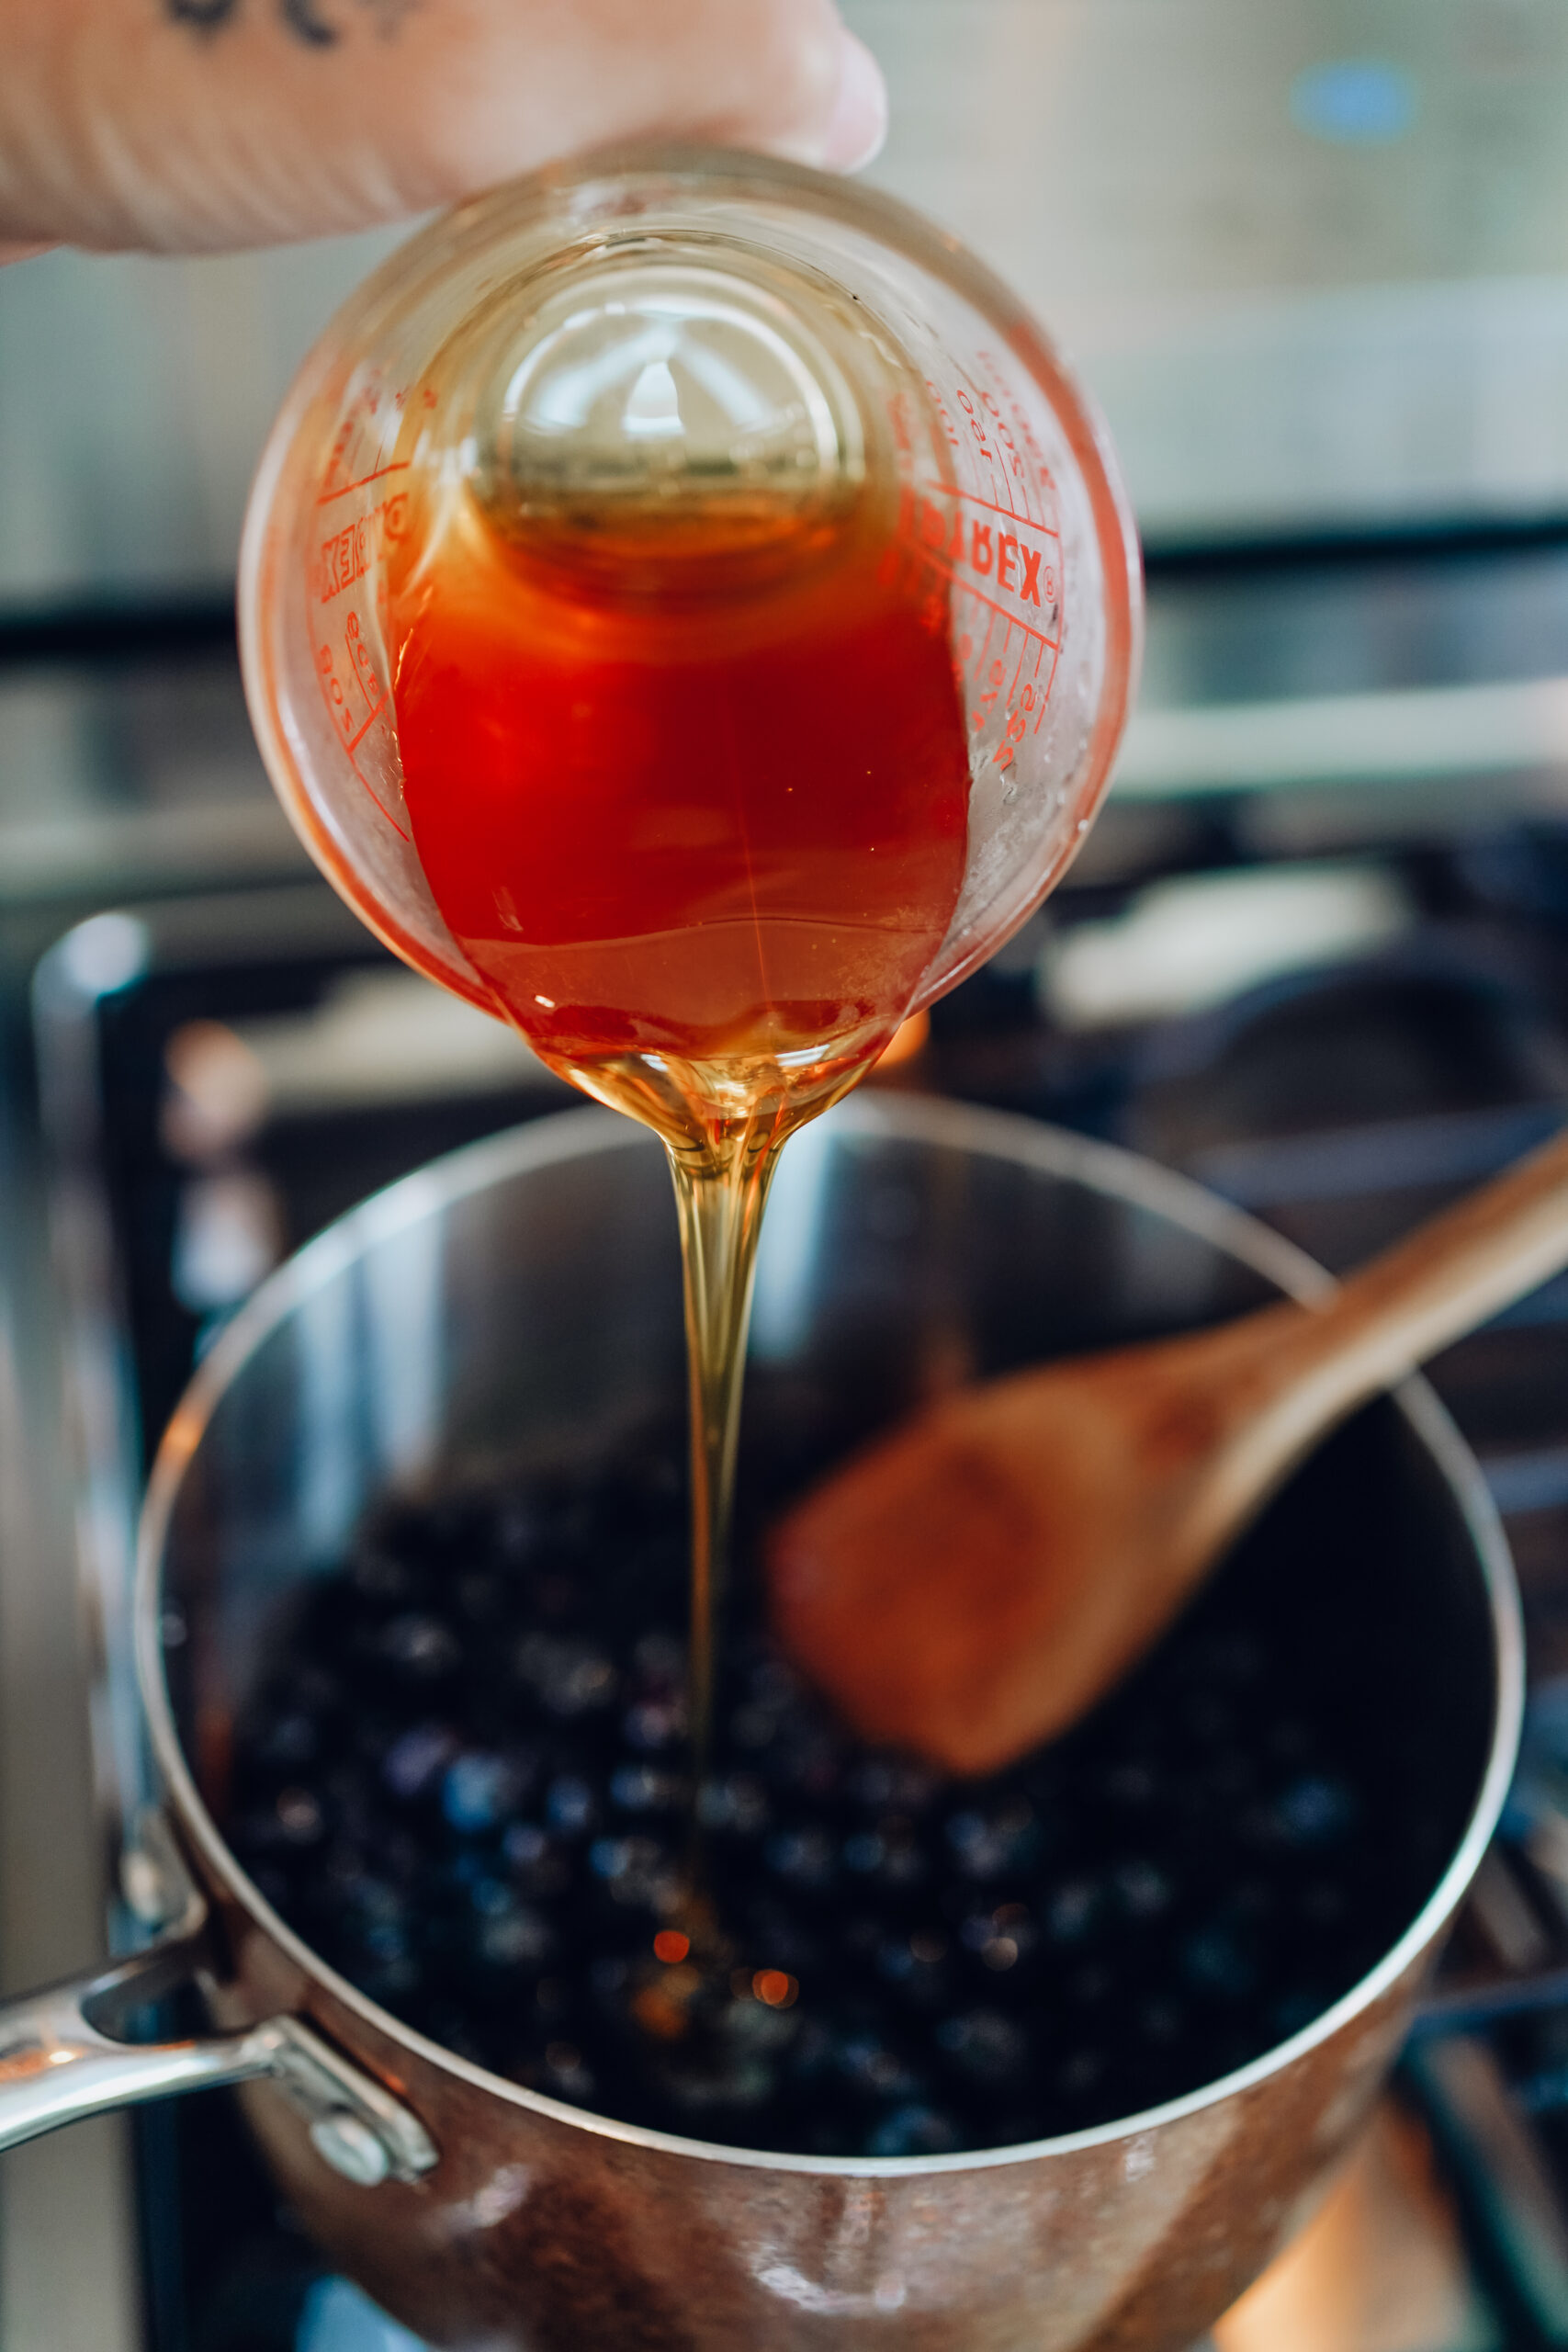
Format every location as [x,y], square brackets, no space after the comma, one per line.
[691,792]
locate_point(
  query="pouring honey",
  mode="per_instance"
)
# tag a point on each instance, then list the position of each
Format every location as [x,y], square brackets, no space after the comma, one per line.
[688,609]
[683,755]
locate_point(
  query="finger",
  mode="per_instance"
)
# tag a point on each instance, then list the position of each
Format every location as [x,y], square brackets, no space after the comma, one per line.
[193,124]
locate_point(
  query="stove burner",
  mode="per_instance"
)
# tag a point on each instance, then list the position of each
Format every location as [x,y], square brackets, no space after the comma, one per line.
[1341,1104]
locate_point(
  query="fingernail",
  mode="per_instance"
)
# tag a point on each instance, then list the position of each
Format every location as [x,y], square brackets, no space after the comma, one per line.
[859,121]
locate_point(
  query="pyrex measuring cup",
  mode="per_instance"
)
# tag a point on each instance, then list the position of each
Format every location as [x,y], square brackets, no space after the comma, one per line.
[699,329]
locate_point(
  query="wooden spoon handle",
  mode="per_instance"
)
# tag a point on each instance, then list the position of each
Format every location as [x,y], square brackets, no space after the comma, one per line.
[1452,1274]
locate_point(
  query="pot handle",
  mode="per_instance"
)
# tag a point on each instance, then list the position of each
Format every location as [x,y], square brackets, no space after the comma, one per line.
[59,2062]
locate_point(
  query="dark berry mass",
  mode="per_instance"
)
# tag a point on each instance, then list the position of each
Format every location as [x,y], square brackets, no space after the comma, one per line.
[462,1778]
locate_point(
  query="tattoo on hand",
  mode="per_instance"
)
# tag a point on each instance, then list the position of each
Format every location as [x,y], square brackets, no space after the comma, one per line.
[300,18]
[303,18]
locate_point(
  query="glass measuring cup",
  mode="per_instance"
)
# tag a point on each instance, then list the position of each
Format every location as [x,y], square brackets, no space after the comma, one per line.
[688,610]
[705,332]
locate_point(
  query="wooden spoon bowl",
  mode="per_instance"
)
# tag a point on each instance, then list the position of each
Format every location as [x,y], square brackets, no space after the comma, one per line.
[970,1585]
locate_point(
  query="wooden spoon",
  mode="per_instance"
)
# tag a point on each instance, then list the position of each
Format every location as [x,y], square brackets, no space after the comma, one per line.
[971,1583]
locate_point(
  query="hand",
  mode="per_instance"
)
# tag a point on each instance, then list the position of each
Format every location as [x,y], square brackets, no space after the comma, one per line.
[194,125]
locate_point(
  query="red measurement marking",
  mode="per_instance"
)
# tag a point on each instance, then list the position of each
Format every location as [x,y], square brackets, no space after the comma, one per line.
[953,490]
[1045,698]
[985,551]
[327,496]
[967,588]
[355,740]
[358,548]
[1009,391]
[1013,465]
[332,695]
[1010,509]
[380,804]
[985,641]
[360,663]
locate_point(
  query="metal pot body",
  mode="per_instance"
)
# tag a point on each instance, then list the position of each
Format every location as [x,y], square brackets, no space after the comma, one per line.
[523,1296]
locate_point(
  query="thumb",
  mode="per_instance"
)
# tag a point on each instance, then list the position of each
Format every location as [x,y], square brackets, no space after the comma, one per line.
[191,125]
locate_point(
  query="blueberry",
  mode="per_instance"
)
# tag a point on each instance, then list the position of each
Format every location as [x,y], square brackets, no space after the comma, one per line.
[653,1724]
[914,2130]
[482,1596]
[777,1930]
[806,1759]
[515,1530]
[376,1918]
[568,1804]
[417,1759]
[1323,1903]
[985,2045]
[805,1856]
[538,1865]
[566,1678]
[736,1803]
[1081,2072]
[306,1684]
[1131,1785]
[423,1647]
[554,1597]
[660,1662]
[915,1963]
[639,1787]
[1313,1810]
[872,1783]
[1167,1891]
[300,1816]
[864,2061]
[1073,1910]
[515,1937]
[380,1575]
[890,1783]
[903,1862]
[988,1844]
[1214,1962]
[1142,1890]
[563,2073]
[636,1870]
[289,1741]
[478,1792]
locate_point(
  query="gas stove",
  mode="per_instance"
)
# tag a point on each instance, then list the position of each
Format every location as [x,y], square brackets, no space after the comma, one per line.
[1337,1008]
[1369,1034]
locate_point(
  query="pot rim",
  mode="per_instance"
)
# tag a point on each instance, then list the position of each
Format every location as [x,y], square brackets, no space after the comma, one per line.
[1053,1151]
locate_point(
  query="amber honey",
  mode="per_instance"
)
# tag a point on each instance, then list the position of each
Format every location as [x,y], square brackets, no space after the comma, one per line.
[720,825]
[691,795]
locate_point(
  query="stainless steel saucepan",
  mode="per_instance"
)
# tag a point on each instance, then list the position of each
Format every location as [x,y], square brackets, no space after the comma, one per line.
[522,1296]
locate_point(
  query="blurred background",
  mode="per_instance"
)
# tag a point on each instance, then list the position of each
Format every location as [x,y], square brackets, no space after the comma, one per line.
[1312,257]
